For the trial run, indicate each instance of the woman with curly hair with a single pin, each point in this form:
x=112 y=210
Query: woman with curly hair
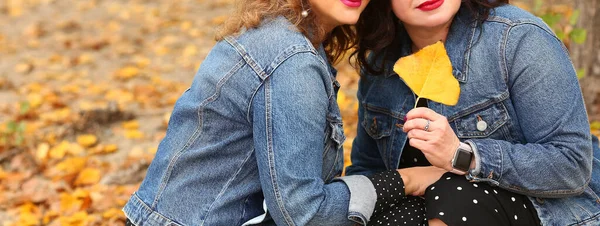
x=257 y=138
x=515 y=150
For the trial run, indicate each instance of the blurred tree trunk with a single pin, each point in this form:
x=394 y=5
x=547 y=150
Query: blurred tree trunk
x=587 y=55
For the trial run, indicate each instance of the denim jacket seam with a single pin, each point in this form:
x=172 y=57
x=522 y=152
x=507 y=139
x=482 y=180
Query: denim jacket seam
x=264 y=74
x=501 y=165
x=271 y=157
x=590 y=219
x=544 y=194
x=478 y=107
x=502 y=50
x=167 y=175
x=150 y=210
x=251 y=100
x=224 y=189
x=196 y=133
x=247 y=57
x=546 y=31
x=467 y=57
x=285 y=55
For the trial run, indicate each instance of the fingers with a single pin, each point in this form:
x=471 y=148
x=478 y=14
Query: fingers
x=419 y=135
x=423 y=112
x=419 y=144
x=418 y=123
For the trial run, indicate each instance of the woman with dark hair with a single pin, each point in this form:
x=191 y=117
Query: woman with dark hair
x=515 y=150
x=257 y=137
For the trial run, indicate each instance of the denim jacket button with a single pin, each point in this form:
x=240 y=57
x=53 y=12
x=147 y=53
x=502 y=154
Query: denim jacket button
x=539 y=200
x=482 y=125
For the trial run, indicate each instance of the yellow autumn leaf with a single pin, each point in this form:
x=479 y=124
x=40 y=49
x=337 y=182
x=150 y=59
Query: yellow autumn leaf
x=127 y=72
x=79 y=218
x=87 y=140
x=71 y=165
x=49 y=216
x=35 y=100
x=42 y=151
x=428 y=73
x=88 y=176
x=110 y=148
x=59 y=151
x=112 y=213
x=133 y=124
x=134 y=134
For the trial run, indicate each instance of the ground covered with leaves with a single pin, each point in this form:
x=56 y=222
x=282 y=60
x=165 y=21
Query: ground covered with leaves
x=86 y=90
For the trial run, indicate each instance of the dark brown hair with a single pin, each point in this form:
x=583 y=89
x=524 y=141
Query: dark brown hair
x=250 y=13
x=380 y=32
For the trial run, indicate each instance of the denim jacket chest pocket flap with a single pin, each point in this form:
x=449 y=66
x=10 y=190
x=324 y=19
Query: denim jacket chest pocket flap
x=378 y=122
x=480 y=123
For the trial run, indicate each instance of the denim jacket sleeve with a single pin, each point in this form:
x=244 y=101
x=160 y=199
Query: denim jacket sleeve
x=289 y=118
x=546 y=98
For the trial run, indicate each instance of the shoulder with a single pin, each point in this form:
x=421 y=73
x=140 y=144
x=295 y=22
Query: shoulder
x=273 y=42
x=513 y=16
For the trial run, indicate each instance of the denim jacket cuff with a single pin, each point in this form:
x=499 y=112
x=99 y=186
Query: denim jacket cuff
x=477 y=170
x=362 y=198
x=488 y=157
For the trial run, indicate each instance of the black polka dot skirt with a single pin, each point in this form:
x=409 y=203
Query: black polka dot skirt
x=456 y=201
x=453 y=200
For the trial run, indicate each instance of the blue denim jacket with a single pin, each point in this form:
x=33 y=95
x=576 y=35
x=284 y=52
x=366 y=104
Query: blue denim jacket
x=516 y=76
x=260 y=122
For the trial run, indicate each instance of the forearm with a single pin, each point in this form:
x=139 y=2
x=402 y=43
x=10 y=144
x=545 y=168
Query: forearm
x=533 y=169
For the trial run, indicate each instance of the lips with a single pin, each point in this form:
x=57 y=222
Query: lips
x=352 y=3
x=430 y=5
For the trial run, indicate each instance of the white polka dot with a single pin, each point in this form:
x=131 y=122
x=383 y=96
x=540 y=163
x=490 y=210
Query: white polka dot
x=475 y=201
x=486 y=192
x=512 y=198
x=432 y=188
x=459 y=188
x=415 y=159
x=447 y=178
x=495 y=191
x=441 y=213
x=437 y=197
x=524 y=206
x=496 y=210
x=516 y=217
x=464 y=219
x=475 y=185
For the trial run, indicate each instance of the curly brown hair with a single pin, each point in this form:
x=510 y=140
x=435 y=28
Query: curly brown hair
x=381 y=34
x=250 y=13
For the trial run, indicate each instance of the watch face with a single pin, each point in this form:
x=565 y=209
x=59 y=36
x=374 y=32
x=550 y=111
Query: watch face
x=463 y=160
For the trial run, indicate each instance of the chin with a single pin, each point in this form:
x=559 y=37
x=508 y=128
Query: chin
x=348 y=20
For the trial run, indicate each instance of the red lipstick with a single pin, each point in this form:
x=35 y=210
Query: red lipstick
x=430 y=5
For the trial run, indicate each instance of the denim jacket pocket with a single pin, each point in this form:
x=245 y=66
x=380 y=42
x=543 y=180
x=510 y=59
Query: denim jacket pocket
x=377 y=123
x=482 y=123
x=333 y=156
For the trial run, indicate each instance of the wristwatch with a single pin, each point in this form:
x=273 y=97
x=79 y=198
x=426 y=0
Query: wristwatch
x=461 y=163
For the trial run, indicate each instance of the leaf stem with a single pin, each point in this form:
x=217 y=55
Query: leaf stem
x=416 y=102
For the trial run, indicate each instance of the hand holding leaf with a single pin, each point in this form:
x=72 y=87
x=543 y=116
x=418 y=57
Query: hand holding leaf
x=428 y=73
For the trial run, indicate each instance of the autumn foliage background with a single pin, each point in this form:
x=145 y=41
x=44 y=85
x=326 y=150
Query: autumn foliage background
x=86 y=90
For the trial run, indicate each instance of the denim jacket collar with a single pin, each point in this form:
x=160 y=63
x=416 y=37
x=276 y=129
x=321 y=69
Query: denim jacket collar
x=459 y=41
